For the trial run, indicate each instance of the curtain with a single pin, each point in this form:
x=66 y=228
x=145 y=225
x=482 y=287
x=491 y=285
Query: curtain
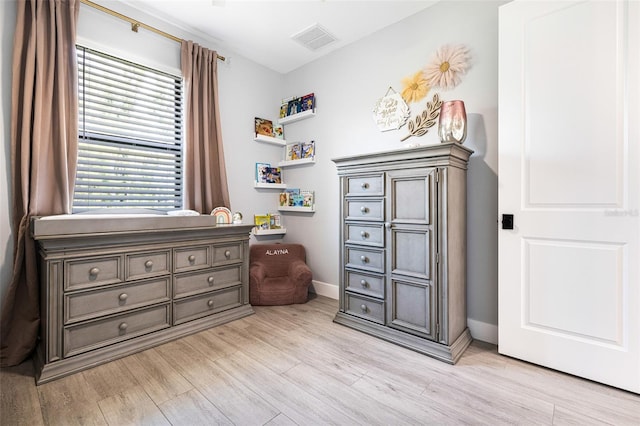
x=44 y=138
x=205 y=183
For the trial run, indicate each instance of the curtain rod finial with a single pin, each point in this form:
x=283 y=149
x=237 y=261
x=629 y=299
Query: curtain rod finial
x=135 y=26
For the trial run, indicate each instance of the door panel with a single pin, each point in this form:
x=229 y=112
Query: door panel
x=569 y=152
x=412 y=308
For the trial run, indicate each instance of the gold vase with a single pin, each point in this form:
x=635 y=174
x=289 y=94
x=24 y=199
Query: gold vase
x=452 y=126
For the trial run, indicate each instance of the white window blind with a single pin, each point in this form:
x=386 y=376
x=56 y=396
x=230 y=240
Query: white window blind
x=130 y=135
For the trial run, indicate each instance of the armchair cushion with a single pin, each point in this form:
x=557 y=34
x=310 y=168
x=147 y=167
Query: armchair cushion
x=278 y=274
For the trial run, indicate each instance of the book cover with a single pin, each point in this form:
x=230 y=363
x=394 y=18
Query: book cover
x=278 y=131
x=283 y=109
x=274 y=175
x=292 y=191
x=298 y=200
x=284 y=199
x=261 y=172
x=308 y=149
x=263 y=127
x=275 y=221
x=293 y=107
x=308 y=102
x=307 y=198
x=262 y=221
x=293 y=151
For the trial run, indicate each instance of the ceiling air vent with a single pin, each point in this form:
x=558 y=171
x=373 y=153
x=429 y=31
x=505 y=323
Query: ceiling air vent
x=314 y=37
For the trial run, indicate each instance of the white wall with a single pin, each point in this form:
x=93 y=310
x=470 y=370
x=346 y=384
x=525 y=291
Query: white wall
x=349 y=81
x=346 y=83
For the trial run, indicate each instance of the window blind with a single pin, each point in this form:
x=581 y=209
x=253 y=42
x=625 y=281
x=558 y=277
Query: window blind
x=130 y=135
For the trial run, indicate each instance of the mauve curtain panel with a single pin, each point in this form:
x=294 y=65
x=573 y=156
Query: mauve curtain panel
x=44 y=140
x=205 y=184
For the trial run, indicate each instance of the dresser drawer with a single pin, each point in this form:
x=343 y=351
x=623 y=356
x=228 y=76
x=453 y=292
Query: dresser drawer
x=365 y=185
x=189 y=284
x=367 y=259
x=191 y=258
x=200 y=306
x=113 y=299
x=91 y=335
x=146 y=265
x=92 y=272
x=364 y=209
x=227 y=253
x=365 y=307
x=365 y=234
x=370 y=285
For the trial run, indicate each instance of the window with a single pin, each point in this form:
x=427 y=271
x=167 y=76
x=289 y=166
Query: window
x=130 y=135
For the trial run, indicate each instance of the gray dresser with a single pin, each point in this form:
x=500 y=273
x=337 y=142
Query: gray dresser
x=112 y=286
x=403 y=247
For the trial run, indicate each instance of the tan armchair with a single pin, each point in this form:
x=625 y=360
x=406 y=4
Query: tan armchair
x=278 y=274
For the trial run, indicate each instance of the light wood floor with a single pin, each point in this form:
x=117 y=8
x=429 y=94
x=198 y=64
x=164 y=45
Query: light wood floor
x=292 y=365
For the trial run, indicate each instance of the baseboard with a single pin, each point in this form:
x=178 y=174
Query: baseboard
x=324 y=289
x=483 y=331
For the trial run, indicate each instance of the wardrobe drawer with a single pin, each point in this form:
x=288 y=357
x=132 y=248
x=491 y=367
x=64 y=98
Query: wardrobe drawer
x=146 y=265
x=200 y=306
x=113 y=299
x=92 y=272
x=365 y=307
x=371 y=235
x=367 y=259
x=194 y=283
x=191 y=258
x=364 y=209
x=370 y=285
x=365 y=185
x=227 y=253
x=91 y=335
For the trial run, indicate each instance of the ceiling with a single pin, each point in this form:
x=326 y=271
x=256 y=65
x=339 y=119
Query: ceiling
x=261 y=30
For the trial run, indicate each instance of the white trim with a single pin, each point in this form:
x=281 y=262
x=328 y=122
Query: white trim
x=483 y=331
x=324 y=289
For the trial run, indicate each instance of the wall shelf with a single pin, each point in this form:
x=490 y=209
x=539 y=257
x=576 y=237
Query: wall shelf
x=270 y=139
x=296 y=209
x=289 y=163
x=270 y=185
x=280 y=231
x=297 y=117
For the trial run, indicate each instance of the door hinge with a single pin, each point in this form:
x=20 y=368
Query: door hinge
x=437 y=257
x=437 y=329
x=437 y=175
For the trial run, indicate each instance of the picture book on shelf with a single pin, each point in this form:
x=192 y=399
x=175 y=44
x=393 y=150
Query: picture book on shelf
x=292 y=191
x=307 y=198
x=293 y=151
x=275 y=221
x=293 y=106
x=262 y=171
x=284 y=199
x=308 y=149
x=263 y=127
x=297 y=200
x=308 y=102
x=262 y=221
x=278 y=131
x=274 y=175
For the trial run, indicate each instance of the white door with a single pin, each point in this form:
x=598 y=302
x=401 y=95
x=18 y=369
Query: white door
x=569 y=154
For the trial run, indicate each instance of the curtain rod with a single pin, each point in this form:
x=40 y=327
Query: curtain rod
x=135 y=25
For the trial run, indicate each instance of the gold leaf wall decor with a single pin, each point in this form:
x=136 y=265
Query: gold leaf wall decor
x=421 y=124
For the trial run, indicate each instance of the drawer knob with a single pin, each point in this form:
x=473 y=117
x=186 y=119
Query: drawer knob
x=227 y=254
x=123 y=297
x=364 y=284
x=364 y=259
x=364 y=185
x=123 y=326
x=191 y=258
x=94 y=271
x=210 y=280
x=364 y=308
x=148 y=264
x=210 y=303
x=364 y=209
x=364 y=234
